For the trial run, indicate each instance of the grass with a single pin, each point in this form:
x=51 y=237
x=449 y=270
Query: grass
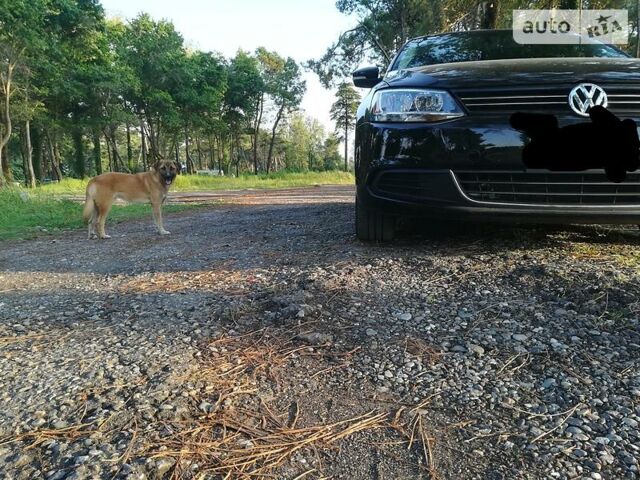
x=191 y=183
x=27 y=215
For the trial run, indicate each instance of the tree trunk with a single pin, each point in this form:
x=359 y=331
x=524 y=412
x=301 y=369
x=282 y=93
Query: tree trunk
x=23 y=155
x=46 y=158
x=78 y=145
x=199 y=150
x=143 y=146
x=118 y=163
x=231 y=156
x=114 y=142
x=111 y=167
x=6 y=163
x=273 y=137
x=115 y=160
x=346 y=146
x=256 y=133
x=30 y=176
x=53 y=155
x=129 y=149
x=153 y=146
x=190 y=165
x=97 y=153
x=160 y=152
x=36 y=140
x=403 y=25
x=56 y=156
x=220 y=152
x=212 y=151
x=6 y=135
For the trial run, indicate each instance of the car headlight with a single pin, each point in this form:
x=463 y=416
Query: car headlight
x=413 y=105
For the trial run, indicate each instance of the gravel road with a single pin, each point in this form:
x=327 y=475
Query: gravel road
x=261 y=336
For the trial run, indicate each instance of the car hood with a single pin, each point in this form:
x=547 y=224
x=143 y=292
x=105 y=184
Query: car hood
x=504 y=73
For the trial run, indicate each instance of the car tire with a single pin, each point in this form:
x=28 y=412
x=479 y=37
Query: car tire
x=373 y=226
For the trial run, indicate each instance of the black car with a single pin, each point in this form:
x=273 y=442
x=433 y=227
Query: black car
x=433 y=137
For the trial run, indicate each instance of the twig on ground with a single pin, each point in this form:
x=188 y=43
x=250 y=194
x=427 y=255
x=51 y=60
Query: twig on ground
x=544 y=434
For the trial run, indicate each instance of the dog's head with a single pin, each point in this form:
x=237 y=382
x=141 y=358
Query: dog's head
x=167 y=170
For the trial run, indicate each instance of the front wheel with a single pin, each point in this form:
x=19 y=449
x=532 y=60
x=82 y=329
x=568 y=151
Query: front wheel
x=373 y=226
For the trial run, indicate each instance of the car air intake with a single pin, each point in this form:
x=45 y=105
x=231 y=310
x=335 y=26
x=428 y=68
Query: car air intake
x=623 y=99
x=589 y=188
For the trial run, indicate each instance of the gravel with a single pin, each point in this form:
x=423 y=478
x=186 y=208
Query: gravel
x=521 y=346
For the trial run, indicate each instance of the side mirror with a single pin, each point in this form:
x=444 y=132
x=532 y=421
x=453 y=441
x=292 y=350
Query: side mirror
x=367 y=77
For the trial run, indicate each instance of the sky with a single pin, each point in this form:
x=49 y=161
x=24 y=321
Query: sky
x=301 y=29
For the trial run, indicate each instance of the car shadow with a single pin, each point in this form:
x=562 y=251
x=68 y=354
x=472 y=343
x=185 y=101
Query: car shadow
x=490 y=234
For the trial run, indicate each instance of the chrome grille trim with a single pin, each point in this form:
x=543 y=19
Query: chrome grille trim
x=513 y=103
x=482 y=189
x=623 y=99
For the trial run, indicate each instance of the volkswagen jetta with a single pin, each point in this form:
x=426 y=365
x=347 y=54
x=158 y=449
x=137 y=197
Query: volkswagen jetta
x=433 y=137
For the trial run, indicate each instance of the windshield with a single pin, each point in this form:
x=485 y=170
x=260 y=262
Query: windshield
x=489 y=45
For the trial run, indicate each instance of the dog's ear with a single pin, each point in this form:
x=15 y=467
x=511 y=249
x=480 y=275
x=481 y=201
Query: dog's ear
x=533 y=124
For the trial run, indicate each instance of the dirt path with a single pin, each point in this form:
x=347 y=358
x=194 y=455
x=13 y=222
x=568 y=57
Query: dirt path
x=240 y=342
x=284 y=196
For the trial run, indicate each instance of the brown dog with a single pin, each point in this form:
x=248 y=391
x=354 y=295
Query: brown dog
x=140 y=187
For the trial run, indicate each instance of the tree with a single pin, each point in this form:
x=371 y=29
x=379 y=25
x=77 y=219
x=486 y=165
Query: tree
x=343 y=112
x=80 y=93
x=383 y=26
x=241 y=97
x=303 y=143
x=22 y=32
x=199 y=91
x=153 y=49
x=288 y=91
x=270 y=64
x=330 y=154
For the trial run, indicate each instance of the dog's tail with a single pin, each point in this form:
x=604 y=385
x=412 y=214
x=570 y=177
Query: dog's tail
x=89 y=204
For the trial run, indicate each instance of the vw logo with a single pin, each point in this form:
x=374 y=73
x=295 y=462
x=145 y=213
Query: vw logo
x=585 y=96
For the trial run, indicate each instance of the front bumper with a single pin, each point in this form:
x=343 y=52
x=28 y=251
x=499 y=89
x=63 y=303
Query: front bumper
x=438 y=194
x=429 y=154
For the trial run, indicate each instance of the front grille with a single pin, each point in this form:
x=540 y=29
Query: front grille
x=623 y=99
x=591 y=188
x=411 y=184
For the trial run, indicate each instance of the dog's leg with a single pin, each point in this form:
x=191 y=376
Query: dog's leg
x=103 y=211
x=94 y=224
x=90 y=227
x=157 y=216
x=91 y=224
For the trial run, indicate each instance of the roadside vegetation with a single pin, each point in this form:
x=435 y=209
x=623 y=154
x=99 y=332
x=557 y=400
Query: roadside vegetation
x=87 y=94
x=26 y=213
x=192 y=183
